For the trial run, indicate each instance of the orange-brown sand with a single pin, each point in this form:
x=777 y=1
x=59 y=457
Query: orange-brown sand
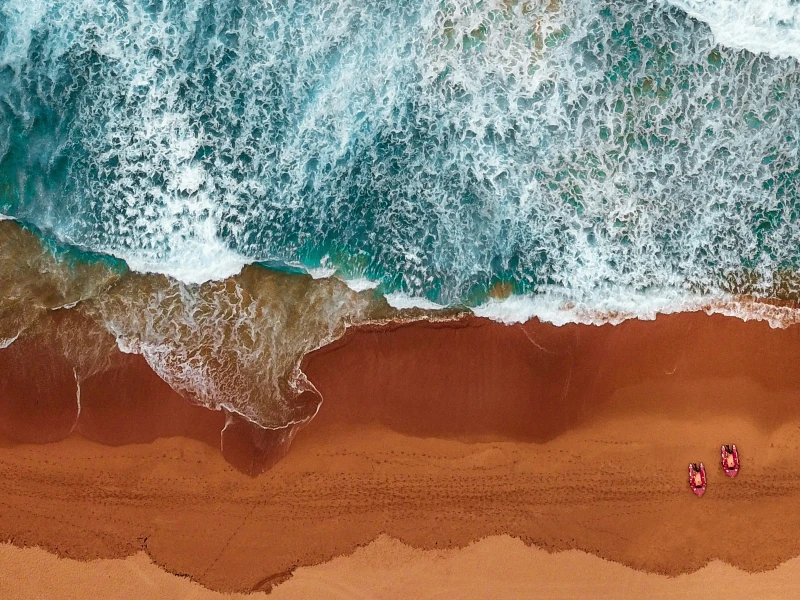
x=496 y=567
x=615 y=489
x=439 y=435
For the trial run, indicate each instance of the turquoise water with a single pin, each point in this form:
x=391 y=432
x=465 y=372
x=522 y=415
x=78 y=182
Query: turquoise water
x=435 y=147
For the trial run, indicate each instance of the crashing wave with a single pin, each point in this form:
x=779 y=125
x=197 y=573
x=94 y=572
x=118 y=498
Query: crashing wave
x=434 y=146
x=361 y=284
x=560 y=309
x=403 y=301
x=768 y=26
x=234 y=344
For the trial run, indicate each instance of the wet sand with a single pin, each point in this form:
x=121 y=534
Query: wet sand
x=571 y=438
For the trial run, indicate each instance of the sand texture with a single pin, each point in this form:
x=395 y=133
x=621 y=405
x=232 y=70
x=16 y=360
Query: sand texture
x=573 y=438
x=196 y=515
x=496 y=567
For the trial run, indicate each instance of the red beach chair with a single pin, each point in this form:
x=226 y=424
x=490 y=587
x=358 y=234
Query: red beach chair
x=730 y=460
x=697 y=479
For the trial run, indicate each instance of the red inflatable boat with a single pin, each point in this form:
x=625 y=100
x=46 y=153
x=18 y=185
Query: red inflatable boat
x=697 y=479
x=730 y=460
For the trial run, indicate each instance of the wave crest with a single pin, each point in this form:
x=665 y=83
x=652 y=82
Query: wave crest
x=771 y=27
x=432 y=147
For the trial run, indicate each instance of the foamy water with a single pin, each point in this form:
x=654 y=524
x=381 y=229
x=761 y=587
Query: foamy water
x=361 y=284
x=593 y=160
x=236 y=344
x=402 y=301
x=6 y=342
x=768 y=26
x=190 y=261
x=559 y=309
x=431 y=148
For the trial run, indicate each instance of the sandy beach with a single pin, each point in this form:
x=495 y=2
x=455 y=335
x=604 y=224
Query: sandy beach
x=386 y=568
x=436 y=300
x=432 y=437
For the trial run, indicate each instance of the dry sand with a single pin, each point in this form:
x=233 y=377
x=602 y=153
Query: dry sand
x=573 y=438
x=496 y=567
x=600 y=489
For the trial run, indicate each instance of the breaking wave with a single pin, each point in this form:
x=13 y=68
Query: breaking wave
x=223 y=186
x=436 y=148
x=233 y=345
x=771 y=27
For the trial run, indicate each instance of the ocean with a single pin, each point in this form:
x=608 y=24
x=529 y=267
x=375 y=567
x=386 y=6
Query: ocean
x=223 y=187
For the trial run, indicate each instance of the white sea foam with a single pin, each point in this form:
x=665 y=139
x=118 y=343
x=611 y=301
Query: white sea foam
x=762 y=26
x=778 y=317
x=190 y=261
x=437 y=141
x=318 y=272
x=361 y=284
x=253 y=337
x=23 y=18
x=399 y=300
x=6 y=342
x=555 y=307
x=326 y=270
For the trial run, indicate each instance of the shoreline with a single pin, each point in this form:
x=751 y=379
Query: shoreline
x=436 y=435
x=486 y=378
x=530 y=382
